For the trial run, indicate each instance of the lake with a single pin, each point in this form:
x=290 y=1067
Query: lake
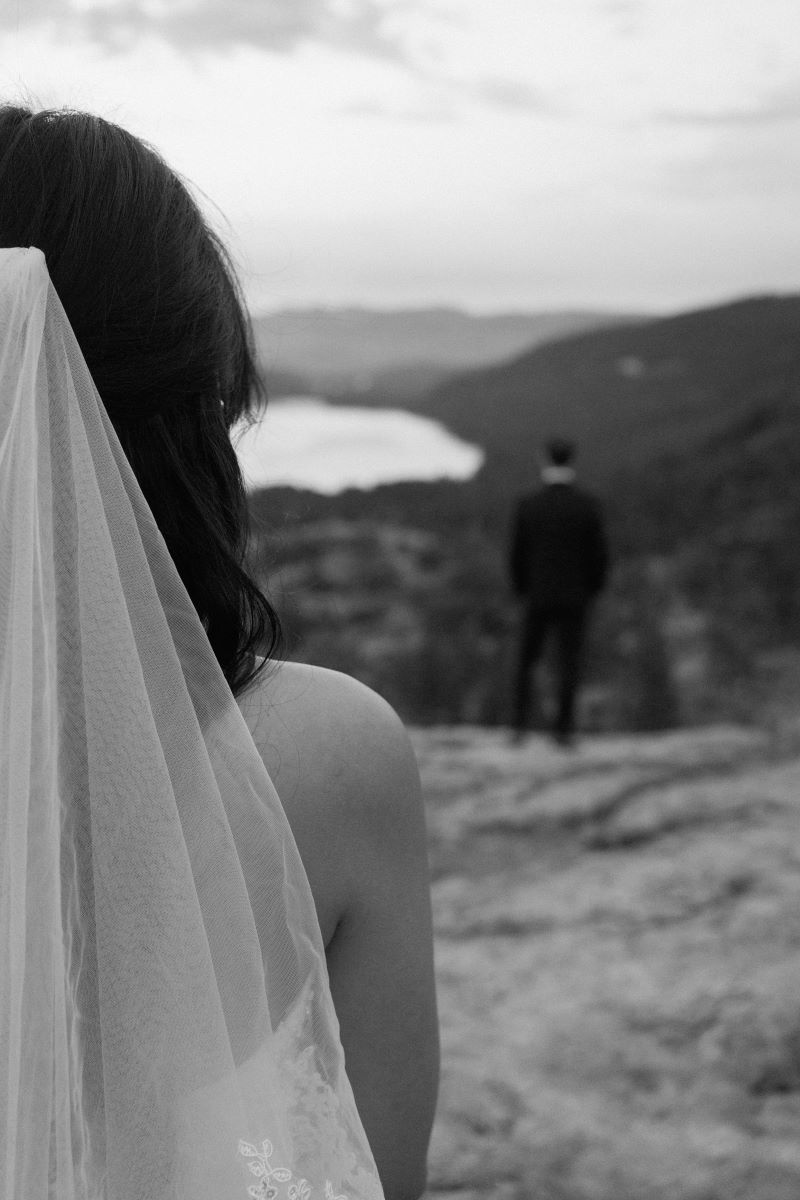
x=304 y=442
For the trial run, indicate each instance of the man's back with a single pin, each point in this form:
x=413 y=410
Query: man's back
x=558 y=549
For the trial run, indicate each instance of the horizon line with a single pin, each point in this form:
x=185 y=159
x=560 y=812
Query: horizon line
x=643 y=310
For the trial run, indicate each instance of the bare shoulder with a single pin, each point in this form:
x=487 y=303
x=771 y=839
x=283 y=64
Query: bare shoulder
x=343 y=766
x=314 y=724
x=344 y=769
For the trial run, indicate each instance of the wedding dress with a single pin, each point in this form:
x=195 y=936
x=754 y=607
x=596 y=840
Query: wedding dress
x=166 y=1025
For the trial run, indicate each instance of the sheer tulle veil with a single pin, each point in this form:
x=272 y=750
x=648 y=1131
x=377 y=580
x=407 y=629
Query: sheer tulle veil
x=166 y=1026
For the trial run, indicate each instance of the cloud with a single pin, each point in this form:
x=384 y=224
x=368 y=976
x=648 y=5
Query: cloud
x=435 y=110
x=438 y=99
x=741 y=158
x=775 y=110
x=626 y=16
x=278 y=25
x=507 y=93
x=14 y=14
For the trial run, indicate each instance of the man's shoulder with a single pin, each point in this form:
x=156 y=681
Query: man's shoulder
x=555 y=493
x=586 y=495
x=532 y=498
x=558 y=503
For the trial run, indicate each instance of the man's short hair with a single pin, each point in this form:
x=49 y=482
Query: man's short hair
x=560 y=451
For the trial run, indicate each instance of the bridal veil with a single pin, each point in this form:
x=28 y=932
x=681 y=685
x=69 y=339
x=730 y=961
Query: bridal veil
x=166 y=1026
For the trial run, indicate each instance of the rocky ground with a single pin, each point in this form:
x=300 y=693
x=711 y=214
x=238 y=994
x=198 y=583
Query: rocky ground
x=618 y=937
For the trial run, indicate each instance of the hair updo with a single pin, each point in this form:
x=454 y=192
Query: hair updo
x=154 y=302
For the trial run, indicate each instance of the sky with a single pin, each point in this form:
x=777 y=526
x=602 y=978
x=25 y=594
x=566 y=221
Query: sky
x=491 y=154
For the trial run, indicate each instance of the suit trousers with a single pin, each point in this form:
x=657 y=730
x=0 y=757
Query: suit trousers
x=568 y=623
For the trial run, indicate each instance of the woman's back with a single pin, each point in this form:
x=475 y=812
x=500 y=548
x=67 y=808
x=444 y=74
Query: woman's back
x=343 y=767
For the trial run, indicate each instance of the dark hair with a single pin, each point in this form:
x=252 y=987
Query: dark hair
x=560 y=451
x=155 y=305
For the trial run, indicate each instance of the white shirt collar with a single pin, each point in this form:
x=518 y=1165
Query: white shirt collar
x=554 y=474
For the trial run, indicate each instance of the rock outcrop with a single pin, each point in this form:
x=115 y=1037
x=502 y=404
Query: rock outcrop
x=618 y=956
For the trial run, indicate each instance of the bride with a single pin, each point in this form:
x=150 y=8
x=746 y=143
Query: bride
x=207 y=992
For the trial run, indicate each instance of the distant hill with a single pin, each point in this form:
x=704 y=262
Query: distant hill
x=689 y=427
x=395 y=355
x=629 y=393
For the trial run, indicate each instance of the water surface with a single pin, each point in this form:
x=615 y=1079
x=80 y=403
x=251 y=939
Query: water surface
x=303 y=442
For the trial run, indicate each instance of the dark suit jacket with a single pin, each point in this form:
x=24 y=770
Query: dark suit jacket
x=559 y=554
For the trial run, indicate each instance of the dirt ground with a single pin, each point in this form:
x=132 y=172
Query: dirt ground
x=617 y=938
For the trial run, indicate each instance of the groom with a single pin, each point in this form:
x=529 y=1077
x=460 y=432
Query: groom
x=558 y=564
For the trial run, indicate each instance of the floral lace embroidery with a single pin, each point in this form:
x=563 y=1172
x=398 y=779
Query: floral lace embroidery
x=261 y=1166
x=321 y=1128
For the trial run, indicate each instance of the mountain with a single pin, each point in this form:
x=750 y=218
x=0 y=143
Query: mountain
x=690 y=429
x=629 y=393
x=363 y=353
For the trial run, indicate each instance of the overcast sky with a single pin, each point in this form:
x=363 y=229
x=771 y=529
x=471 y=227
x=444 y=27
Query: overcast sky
x=493 y=154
